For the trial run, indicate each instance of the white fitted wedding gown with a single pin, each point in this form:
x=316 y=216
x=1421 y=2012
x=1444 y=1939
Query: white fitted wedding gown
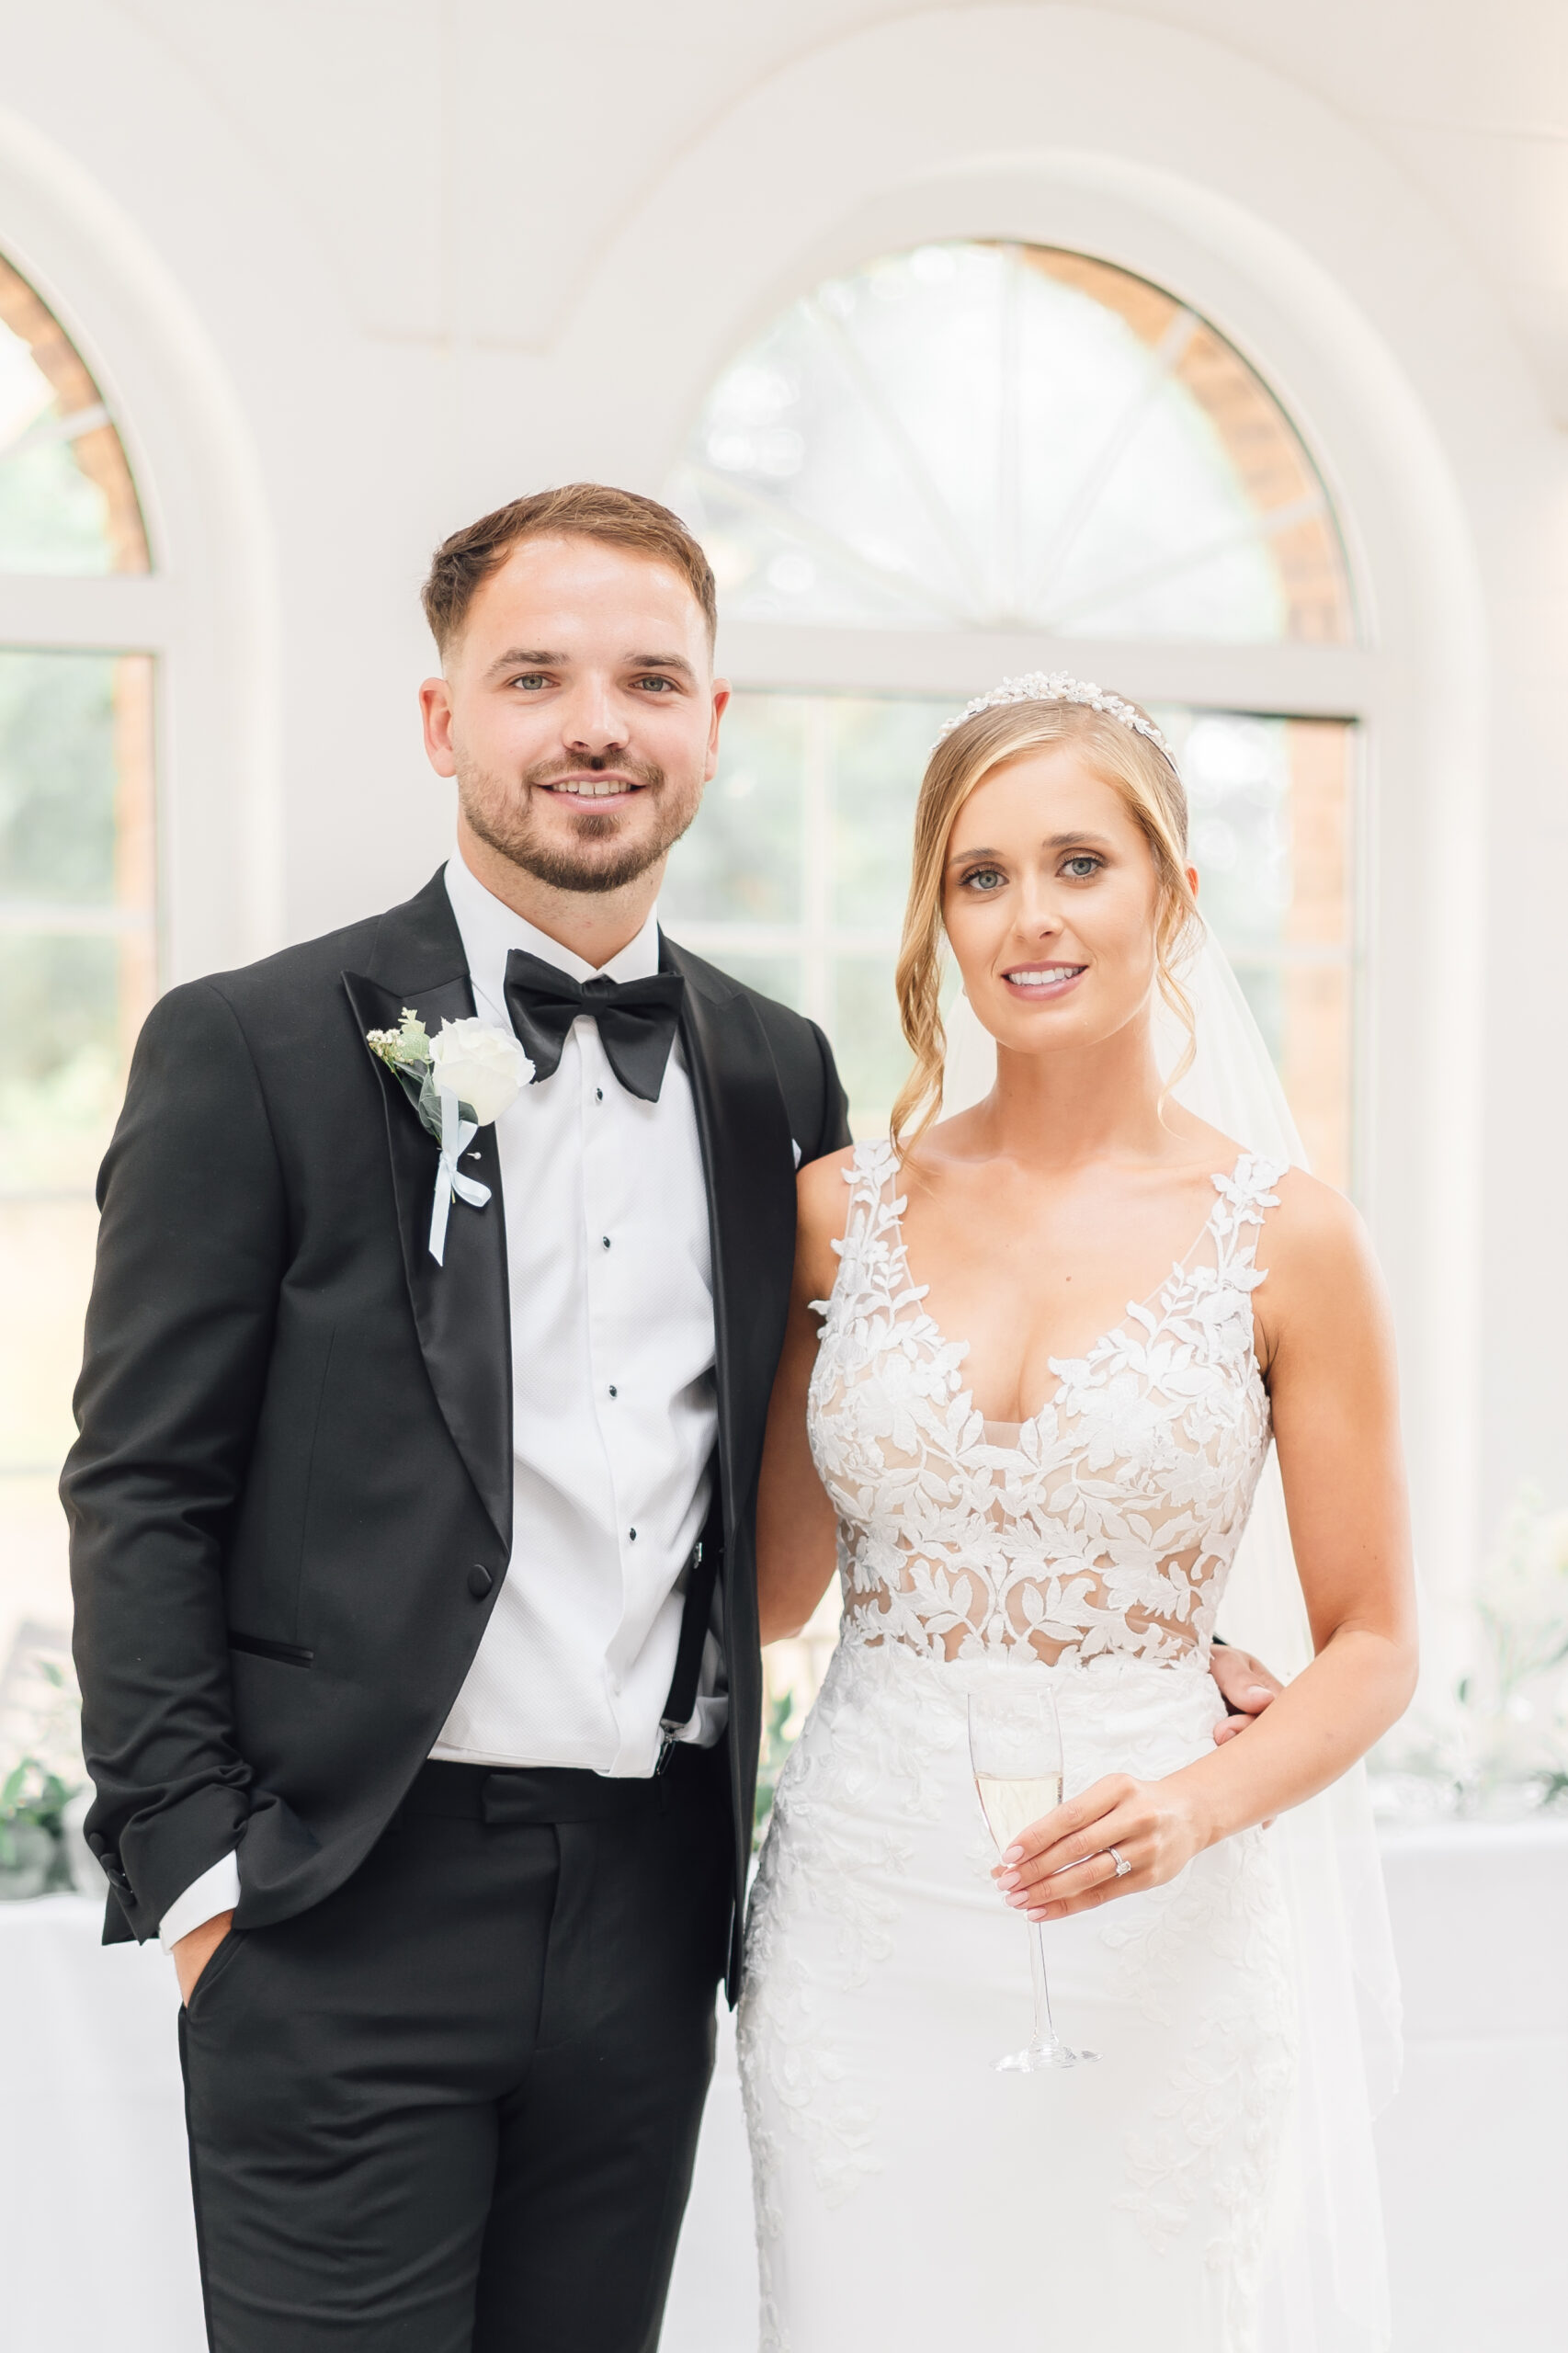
x=909 y=2199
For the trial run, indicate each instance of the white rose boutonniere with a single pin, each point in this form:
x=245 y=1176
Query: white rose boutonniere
x=487 y=1069
x=459 y=1081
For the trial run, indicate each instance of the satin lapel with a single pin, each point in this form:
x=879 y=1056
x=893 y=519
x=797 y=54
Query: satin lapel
x=745 y=1132
x=460 y=1309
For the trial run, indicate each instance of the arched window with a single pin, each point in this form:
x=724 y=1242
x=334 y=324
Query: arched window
x=78 y=927
x=972 y=460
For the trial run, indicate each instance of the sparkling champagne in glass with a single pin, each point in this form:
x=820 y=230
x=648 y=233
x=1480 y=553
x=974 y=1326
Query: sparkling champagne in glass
x=1014 y=1747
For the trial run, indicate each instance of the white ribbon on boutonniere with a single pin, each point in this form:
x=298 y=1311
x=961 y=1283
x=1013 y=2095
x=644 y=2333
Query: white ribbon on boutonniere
x=459 y=1081
x=457 y=1134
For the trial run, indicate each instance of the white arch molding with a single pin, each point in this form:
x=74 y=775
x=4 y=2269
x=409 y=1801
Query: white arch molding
x=1280 y=223
x=209 y=608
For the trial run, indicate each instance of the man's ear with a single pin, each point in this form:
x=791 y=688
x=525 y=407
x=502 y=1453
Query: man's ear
x=722 y=692
x=435 y=709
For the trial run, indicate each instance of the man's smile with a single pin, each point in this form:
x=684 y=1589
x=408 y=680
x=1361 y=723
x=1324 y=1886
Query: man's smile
x=594 y=788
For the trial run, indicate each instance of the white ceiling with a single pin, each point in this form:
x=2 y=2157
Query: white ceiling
x=463 y=162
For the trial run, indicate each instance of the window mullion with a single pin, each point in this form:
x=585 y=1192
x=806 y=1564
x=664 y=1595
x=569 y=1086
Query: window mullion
x=816 y=878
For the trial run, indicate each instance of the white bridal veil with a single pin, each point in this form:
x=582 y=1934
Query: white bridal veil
x=1327 y=2290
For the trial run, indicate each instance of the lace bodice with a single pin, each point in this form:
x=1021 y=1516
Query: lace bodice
x=1107 y=1524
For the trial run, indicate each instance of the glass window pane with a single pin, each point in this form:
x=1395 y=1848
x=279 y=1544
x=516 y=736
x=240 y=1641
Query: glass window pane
x=776 y=976
x=58 y=778
x=878 y=756
x=1271 y=808
x=867 y=1043
x=63 y=1071
x=1237 y=776
x=976 y=435
x=77 y=928
x=77 y=942
x=742 y=860
x=46 y=1247
x=1263 y=986
x=77 y=932
x=67 y=501
x=1314 y=1059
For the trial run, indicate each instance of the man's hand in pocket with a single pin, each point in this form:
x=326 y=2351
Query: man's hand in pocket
x=191 y=1954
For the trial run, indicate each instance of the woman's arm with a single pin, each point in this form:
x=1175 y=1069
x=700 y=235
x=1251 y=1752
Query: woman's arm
x=796 y=1530
x=1327 y=1346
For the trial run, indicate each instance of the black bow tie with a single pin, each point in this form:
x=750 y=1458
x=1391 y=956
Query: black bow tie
x=637 y=1018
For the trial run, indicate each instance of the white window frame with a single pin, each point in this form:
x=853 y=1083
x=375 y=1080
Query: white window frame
x=207 y=611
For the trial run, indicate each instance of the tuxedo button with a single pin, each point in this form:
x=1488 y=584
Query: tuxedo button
x=479 y=1580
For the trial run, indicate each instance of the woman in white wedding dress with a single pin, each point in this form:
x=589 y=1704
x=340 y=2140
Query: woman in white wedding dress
x=1016 y=1469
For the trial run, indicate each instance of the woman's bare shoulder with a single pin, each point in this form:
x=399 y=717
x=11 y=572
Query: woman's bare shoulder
x=1312 y=1226
x=1317 y=1255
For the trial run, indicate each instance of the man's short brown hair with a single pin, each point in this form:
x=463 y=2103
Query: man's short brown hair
x=581 y=510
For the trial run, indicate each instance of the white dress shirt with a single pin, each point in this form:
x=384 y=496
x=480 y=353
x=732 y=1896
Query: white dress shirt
x=609 y=1264
x=610 y=1270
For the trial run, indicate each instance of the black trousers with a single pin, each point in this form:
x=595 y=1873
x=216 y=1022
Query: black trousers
x=456 y=2105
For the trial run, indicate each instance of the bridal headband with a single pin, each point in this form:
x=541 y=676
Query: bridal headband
x=1056 y=685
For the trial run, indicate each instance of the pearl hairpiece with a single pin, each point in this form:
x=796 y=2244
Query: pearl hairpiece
x=1056 y=685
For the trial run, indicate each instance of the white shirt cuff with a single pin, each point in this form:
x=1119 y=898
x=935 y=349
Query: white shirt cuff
x=216 y=1891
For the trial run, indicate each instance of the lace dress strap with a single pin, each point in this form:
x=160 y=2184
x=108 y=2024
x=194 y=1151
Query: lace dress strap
x=1244 y=1194
x=869 y=1176
x=871 y=1231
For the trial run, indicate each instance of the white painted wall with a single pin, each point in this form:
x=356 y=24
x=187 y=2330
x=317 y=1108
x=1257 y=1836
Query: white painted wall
x=357 y=269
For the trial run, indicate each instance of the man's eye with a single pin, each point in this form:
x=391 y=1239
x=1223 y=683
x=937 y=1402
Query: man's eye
x=1081 y=868
x=532 y=679
x=664 y=685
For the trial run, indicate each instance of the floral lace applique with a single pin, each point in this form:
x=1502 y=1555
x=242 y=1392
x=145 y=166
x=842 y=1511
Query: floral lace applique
x=839 y=1858
x=1112 y=1523
x=1217 y=2124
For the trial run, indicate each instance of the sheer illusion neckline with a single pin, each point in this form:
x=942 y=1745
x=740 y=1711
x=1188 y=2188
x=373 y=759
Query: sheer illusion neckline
x=1007 y=1435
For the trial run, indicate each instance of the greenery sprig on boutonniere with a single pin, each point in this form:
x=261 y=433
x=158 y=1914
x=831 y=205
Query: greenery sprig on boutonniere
x=459 y=1081
x=406 y=1051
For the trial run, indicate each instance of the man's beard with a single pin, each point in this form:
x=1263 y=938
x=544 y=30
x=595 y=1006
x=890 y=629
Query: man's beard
x=500 y=816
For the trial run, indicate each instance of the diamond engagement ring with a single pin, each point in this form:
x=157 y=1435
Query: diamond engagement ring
x=1119 y=1860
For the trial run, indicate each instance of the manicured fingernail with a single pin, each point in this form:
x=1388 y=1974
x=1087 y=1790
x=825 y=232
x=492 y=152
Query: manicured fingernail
x=1014 y=1855
x=1006 y=1878
x=1019 y=1900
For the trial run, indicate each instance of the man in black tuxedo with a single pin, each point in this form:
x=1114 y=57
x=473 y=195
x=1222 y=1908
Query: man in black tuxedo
x=416 y=1622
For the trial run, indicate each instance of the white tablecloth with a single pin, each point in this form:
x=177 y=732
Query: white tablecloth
x=1473 y=2154
x=99 y=2248
x=95 y=2188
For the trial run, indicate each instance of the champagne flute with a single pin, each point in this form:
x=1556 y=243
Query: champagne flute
x=1014 y=1748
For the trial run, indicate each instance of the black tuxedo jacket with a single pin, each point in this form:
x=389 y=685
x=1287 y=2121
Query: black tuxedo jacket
x=290 y=1499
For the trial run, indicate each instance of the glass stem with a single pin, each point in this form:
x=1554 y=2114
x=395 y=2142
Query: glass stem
x=1044 y=2032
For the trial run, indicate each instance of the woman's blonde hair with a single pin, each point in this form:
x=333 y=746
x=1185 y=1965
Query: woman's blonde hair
x=1156 y=801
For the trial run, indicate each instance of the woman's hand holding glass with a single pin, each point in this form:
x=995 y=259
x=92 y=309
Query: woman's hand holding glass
x=1067 y=1861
